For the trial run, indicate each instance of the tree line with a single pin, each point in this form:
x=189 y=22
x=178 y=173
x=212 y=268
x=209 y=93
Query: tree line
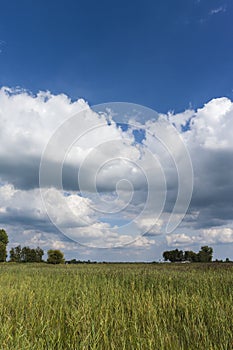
x=204 y=255
x=55 y=256
x=26 y=254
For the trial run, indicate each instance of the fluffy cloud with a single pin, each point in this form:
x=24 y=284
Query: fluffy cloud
x=223 y=235
x=208 y=137
x=218 y=235
x=179 y=239
x=25 y=208
x=114 y=172
x=210 y=127
x=26 y=124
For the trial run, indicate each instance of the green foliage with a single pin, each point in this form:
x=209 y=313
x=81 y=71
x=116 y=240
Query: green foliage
x=204 y=255
x=106 y=306
x=173 y=255
x=55 y=256
x=26 y=254
x=3 y=237
x=191 y=256
x=15 y=254
x=3 y=243
x=3 y=252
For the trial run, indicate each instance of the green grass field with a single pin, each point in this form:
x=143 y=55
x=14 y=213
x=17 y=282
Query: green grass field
x=116 y=306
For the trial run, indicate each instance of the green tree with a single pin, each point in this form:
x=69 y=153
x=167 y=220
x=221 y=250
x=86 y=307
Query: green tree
x=15 y=254
x=3 y=237
x=55 y=256
x=39 y=254
x=205 y=254
x=3 y=253
x=26 y=254
x=173 y=255
x=189 y=255
x=3 y=243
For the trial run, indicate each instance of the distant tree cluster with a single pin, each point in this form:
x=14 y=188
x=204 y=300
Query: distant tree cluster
x=3 y=243
x=74 y=261
x=26 y=254
x=204 y=255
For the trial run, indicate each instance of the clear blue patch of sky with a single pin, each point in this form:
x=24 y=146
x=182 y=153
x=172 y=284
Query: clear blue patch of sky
x=163 y=54
x=139 y=135
x=186 y=127
x=123 y=126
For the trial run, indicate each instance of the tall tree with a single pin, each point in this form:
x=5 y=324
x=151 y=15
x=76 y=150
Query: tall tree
x=3 y=243
x=15 y=254
x=3 y=237
x=205 y=254
x=3 y=252
x=26 y=254
x=39 y=254
x=55 y=256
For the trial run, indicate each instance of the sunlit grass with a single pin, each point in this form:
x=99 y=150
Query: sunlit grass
x=116 y=307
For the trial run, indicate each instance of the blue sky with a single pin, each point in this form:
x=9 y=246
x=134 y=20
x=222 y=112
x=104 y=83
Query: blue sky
x=162 y=54
x=166 y=55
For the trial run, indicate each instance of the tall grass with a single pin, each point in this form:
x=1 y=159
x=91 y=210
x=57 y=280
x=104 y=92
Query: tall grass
x=115 y=307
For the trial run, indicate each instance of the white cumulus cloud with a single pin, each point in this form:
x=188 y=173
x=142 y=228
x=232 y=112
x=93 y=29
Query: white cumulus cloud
x=115 y=172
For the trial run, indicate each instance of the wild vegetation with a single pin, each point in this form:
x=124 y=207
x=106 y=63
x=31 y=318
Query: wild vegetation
x=116 y=306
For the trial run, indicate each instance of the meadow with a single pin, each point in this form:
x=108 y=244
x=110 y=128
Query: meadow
x=116 y=306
